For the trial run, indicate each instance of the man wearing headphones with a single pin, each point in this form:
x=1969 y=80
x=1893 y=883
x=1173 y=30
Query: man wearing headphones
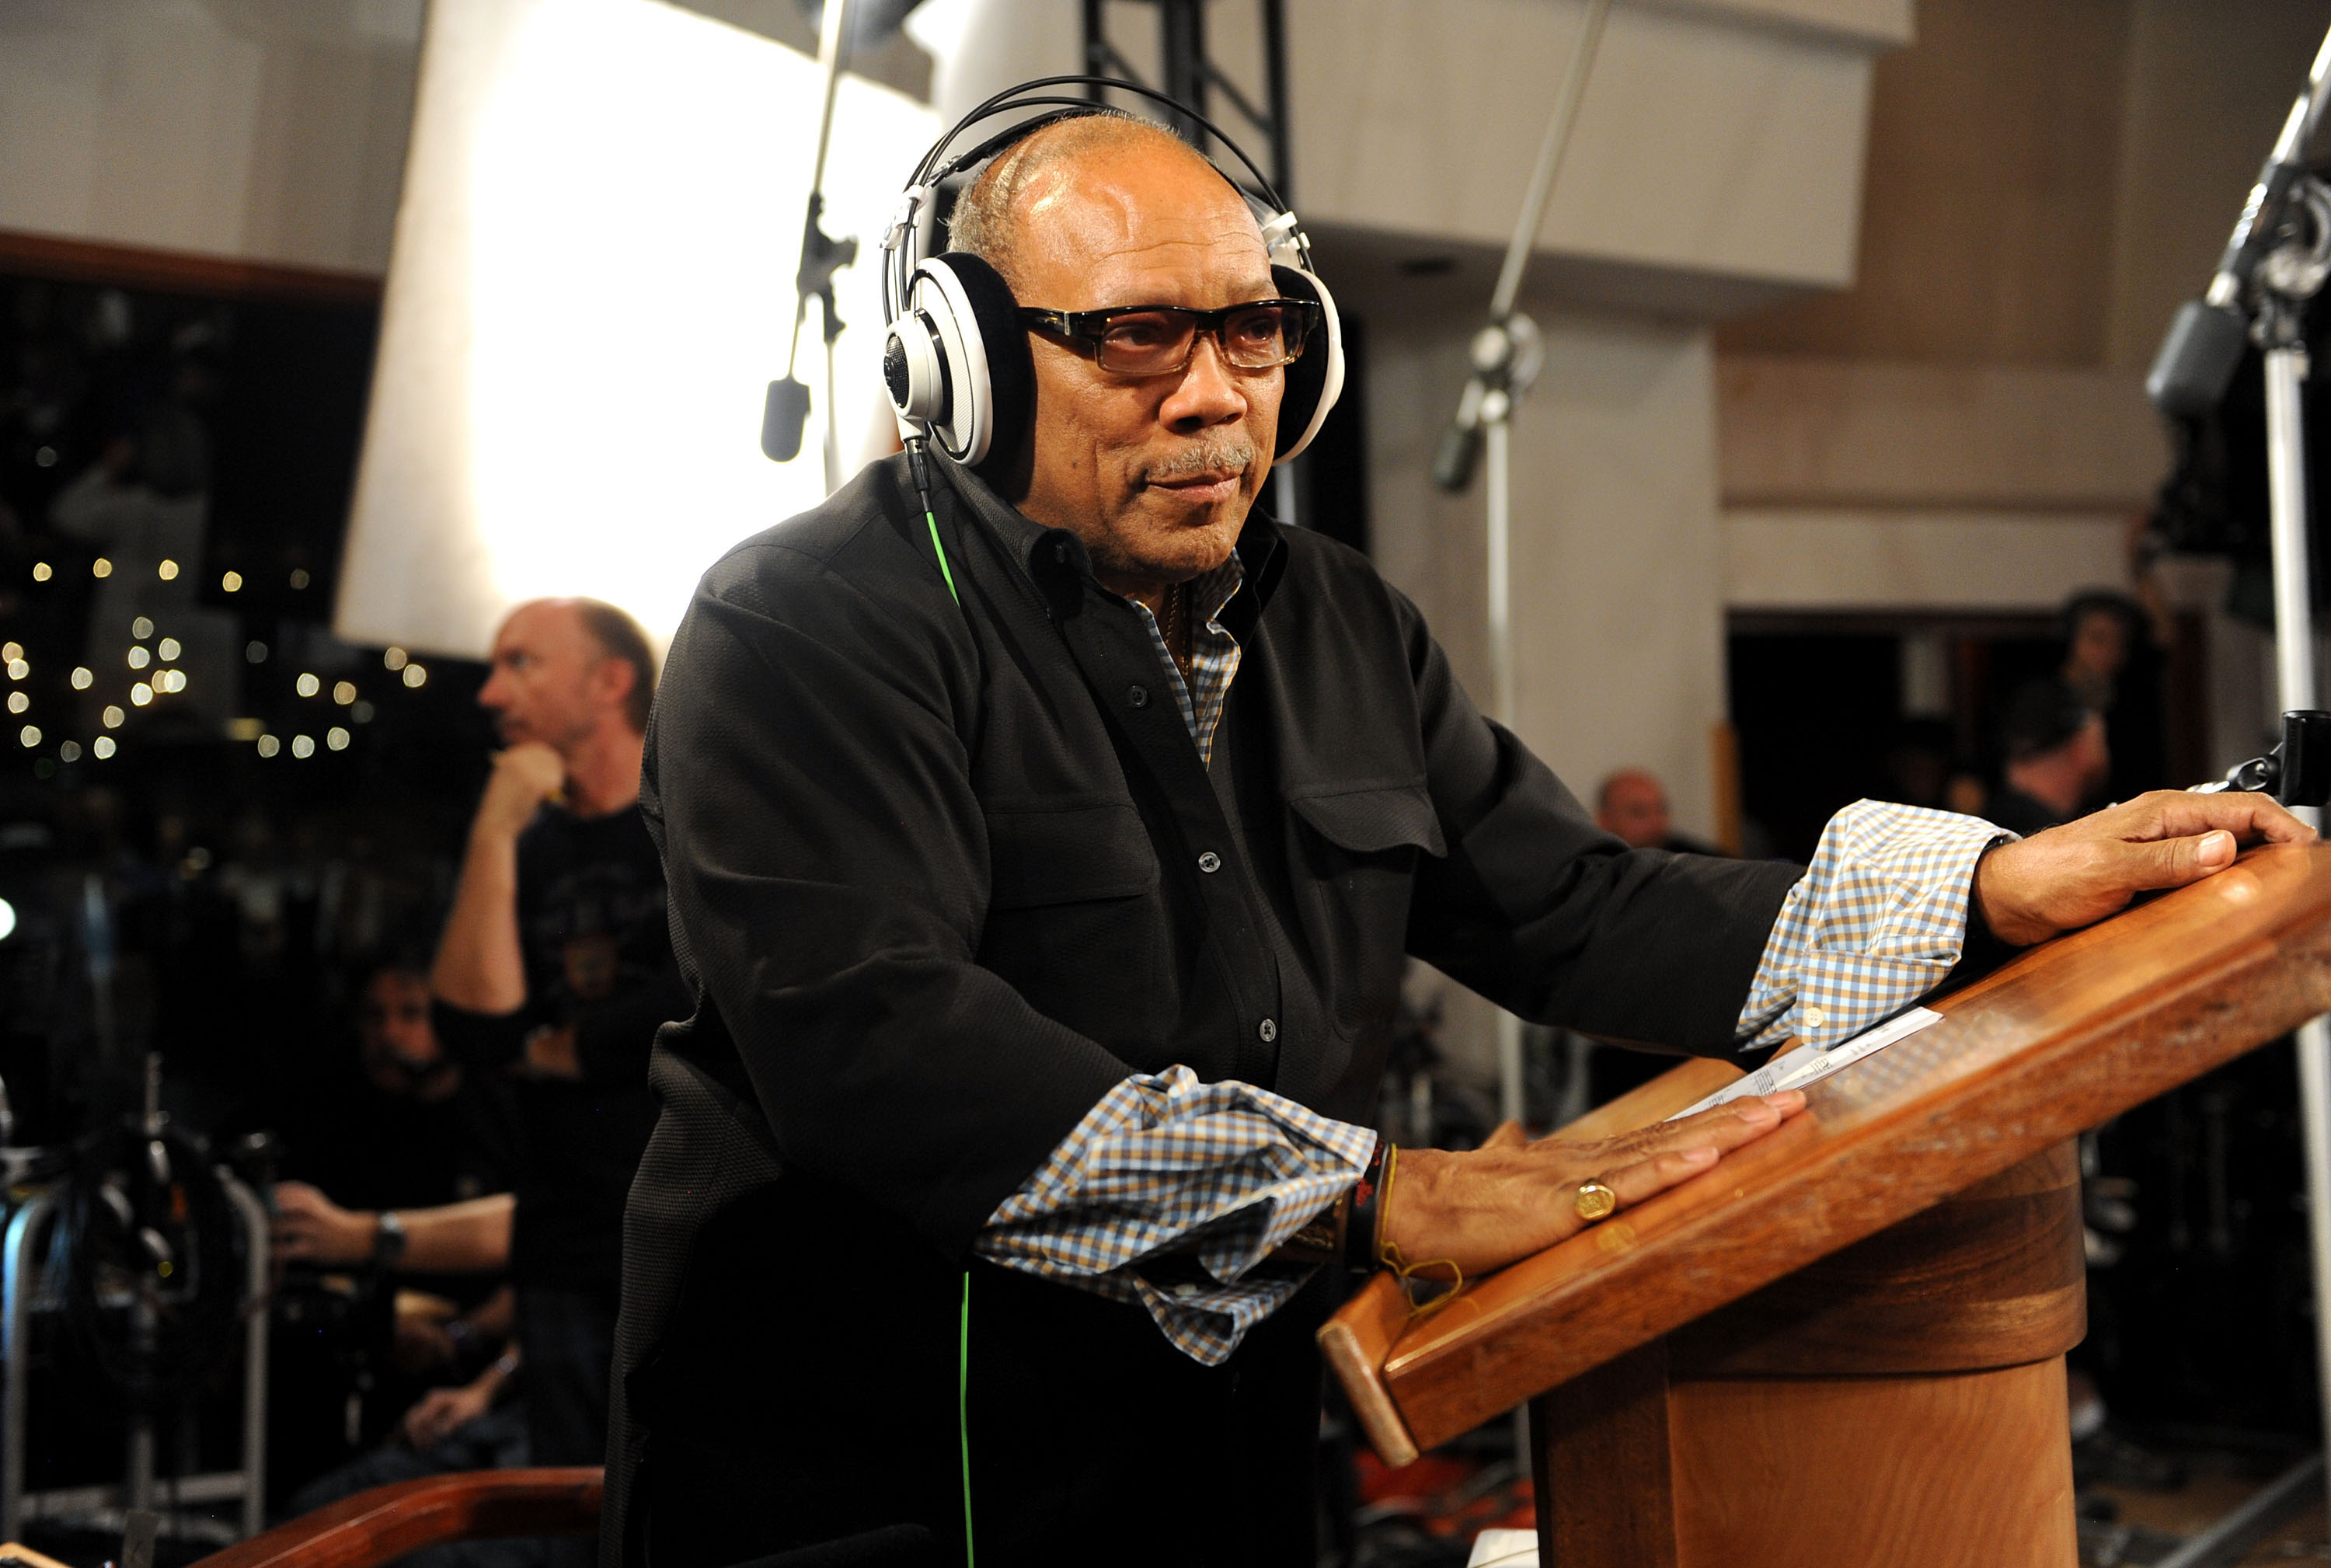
x=1047 y=831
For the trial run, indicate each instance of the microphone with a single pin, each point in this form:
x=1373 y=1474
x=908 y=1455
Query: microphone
x=1506 y=355
x=782 y=414
x=2204 y=342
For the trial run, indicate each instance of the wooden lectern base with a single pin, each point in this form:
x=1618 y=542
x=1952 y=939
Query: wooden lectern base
x=1899 y=1404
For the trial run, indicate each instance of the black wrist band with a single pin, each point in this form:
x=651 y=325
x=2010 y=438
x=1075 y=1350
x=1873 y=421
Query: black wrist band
x=1360 y=1226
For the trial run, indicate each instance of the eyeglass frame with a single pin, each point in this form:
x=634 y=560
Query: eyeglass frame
x=1086 y=329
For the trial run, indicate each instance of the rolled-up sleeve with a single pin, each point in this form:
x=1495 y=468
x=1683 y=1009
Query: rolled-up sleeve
x=1879 y=920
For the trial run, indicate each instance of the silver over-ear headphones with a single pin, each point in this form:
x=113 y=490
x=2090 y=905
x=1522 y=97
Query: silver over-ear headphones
x=955 y=356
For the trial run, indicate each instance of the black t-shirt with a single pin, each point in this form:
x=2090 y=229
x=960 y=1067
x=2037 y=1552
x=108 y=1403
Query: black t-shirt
x=598 y=956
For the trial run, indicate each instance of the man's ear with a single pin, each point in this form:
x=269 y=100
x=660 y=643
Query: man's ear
x=611 y=680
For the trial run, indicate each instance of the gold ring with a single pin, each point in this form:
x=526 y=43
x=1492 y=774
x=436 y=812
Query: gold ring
x=1595 y=1200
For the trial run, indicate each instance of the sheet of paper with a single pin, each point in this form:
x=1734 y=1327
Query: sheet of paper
x=1809 y=1064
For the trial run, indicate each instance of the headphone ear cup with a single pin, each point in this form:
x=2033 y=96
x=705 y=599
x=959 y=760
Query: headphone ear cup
x=1315 y=380
x=1010 y=371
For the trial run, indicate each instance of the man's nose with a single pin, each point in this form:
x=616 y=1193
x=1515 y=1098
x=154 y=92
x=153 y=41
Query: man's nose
x=1208 y=394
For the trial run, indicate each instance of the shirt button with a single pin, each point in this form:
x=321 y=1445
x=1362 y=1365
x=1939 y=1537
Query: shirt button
x=1815 y=1018
x=1210 y=862
x=1138 y=695
x=1269 y=1030
x=1185 y=1291
x=1061 y=550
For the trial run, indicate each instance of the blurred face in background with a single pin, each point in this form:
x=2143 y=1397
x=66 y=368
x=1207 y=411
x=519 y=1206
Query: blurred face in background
x=394 y=1043
x=2099 y=647
x=1635 y=809
x=549 y=681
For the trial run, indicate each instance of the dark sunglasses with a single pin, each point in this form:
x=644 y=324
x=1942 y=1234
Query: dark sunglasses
x=1158 y=339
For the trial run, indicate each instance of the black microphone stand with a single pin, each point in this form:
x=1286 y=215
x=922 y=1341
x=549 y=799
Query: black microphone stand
x=2276 y=262
x=1506 y=355
x=821 y=255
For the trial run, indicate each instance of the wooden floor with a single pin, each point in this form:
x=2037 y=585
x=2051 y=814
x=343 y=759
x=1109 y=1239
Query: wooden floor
x=2219 y=1483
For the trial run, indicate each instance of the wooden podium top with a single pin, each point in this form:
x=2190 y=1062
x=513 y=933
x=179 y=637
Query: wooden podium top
x=2065 y=1037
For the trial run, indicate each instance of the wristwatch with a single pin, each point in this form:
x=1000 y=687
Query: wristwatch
x=388 y=1240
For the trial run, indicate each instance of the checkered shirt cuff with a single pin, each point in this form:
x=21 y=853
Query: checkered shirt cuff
x=1222 y=1171
x=1877 y=921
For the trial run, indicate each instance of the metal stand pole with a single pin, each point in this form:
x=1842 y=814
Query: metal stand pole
x=252 y=1212
x=1506 y=355
x=1511 y=1101
x=2293 y=656
x=27 y=1228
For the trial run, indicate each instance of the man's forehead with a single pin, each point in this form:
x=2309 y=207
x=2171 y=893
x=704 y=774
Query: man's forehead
x=537 y=626
x=1141 y=218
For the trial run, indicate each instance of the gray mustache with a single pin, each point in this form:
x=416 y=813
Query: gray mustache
x=1236 y=457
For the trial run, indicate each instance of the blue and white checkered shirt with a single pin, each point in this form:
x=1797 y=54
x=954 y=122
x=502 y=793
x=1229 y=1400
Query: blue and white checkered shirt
x=1222 y=1173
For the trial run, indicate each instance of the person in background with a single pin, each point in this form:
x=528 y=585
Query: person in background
x=472 y=1423
x=2056 y=758
x=1631 y=805
x=556 y=968
x=2111 y=665
x=425 y=1209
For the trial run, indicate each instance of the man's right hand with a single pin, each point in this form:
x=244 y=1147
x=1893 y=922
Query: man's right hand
x=311 y=1228
x=1508 y=1199
x=524 y=776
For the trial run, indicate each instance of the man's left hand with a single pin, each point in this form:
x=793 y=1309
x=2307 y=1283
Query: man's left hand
x=2077 y=874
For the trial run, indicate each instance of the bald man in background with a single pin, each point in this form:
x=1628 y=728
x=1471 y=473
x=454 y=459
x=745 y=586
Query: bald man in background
x=1632 y=806
x=557 y=967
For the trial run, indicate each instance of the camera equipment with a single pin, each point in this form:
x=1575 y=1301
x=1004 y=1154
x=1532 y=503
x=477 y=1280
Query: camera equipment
x=2297 y=772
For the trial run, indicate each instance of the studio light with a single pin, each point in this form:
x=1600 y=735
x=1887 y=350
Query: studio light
x=590 y=290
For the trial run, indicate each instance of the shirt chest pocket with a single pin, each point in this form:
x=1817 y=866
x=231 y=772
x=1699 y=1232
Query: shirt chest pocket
x=1356 y=854
x=1075 y=922
x=1043 y=857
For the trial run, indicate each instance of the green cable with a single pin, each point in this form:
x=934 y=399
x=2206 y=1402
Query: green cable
x=963 y=1366
x=944 y=572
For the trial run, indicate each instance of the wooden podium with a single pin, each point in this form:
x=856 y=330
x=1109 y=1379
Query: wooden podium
x=1845 y=1343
